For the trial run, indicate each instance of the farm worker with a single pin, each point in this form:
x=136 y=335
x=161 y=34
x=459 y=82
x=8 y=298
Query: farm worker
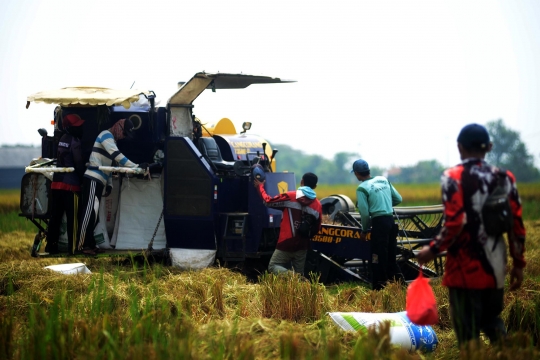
x=302 y=218
x=376 y=198
x=103 y=153
x=66 y=186
x=475 y=261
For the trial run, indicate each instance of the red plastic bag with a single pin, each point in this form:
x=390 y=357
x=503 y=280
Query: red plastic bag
x=421 y=304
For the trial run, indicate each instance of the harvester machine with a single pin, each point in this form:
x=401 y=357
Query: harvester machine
x=197 y=205
x=339 y=255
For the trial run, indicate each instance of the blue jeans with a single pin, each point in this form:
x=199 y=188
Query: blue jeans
x=283 y=261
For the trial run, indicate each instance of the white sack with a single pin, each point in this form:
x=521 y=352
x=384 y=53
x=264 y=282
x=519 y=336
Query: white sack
x=139 y=211
x=100 y=232
x=402 y=331
x=69 y=269
x=192 y=259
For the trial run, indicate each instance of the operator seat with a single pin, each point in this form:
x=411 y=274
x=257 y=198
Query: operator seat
x=209 y=148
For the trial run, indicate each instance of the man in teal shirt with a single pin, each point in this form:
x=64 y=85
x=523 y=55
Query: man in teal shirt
x=376 y=198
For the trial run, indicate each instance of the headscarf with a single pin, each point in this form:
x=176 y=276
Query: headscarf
x=306 y=191
x=117 y=130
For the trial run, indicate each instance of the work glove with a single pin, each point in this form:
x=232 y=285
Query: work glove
x=143 y=166
x=108 y=190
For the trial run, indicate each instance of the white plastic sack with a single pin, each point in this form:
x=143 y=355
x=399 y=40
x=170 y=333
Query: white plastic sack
x=192 y=259
x=100 y=232
x=110 y=204
x=138 y=213
x=402 y=331
x=69 y=269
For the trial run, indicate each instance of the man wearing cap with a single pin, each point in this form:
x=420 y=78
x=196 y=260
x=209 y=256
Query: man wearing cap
x=103 y=153
x=475 y=266
x=298 y=208
x=66 y=186
x=376 y=198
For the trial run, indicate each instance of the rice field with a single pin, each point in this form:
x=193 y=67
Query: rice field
x=132 y=309
x=430 y=194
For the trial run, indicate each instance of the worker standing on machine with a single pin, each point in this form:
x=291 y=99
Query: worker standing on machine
x=66 y=186
x=103 y=154
x=302 y=218
x=376 y=198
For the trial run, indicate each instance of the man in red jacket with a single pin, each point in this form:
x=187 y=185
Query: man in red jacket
x=302 y=218
x=475 y=266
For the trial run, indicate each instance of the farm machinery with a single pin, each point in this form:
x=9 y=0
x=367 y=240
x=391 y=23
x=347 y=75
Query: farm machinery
x=196 y=204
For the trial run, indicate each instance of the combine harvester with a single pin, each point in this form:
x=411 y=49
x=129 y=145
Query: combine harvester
x=197 y=204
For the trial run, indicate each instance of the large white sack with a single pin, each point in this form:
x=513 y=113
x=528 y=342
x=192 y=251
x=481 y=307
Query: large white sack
x=402 y=331
x=139 y=210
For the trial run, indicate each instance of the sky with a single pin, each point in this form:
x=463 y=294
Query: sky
x=393 y=81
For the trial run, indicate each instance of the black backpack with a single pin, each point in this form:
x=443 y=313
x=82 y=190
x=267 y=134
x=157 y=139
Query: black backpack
x=496 y=212
x=306 y=223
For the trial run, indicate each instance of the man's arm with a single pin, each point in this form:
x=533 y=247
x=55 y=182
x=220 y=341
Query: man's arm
x=110 y=146
x=276 y=202
x=76 y=151
x=454 y=218
x=516 y=237
x=363 y=207
x=396 y=197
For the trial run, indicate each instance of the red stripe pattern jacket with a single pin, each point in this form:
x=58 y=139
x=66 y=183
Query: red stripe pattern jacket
x=475 y=260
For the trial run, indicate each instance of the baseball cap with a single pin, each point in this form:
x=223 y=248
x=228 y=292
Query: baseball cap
x=72 y=120
x=474 y=136
x=360 y=166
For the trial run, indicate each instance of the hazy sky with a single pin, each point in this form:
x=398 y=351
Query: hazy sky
x=391 y=80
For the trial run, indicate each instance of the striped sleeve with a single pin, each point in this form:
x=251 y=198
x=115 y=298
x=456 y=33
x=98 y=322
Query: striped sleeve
x=107 y=141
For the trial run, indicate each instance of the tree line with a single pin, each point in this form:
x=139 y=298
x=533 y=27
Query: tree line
x=509 y=152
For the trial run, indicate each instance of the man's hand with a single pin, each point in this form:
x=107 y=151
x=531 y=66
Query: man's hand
x=108 y=190
x=143 y=166
x=425 y=255
x=257 y=183
x=516 y=278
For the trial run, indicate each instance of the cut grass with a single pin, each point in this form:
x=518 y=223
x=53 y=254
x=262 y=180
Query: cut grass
x=136 y=311
x=130 y=310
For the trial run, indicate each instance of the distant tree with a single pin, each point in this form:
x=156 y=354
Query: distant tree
x=510 y=152
x=333 y=171
x=426 y=171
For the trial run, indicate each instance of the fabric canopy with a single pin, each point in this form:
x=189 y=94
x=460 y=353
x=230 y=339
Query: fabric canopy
x=87 y=96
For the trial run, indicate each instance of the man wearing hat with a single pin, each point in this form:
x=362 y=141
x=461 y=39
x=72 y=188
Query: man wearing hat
x=376 y=198
x=103 y=153
x=66 y=187
x=475 y=266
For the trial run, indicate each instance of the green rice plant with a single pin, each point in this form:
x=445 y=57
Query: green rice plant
x=9 y=200
x=11 y=221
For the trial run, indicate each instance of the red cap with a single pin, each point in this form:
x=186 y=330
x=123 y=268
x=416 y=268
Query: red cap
x=73 y=120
